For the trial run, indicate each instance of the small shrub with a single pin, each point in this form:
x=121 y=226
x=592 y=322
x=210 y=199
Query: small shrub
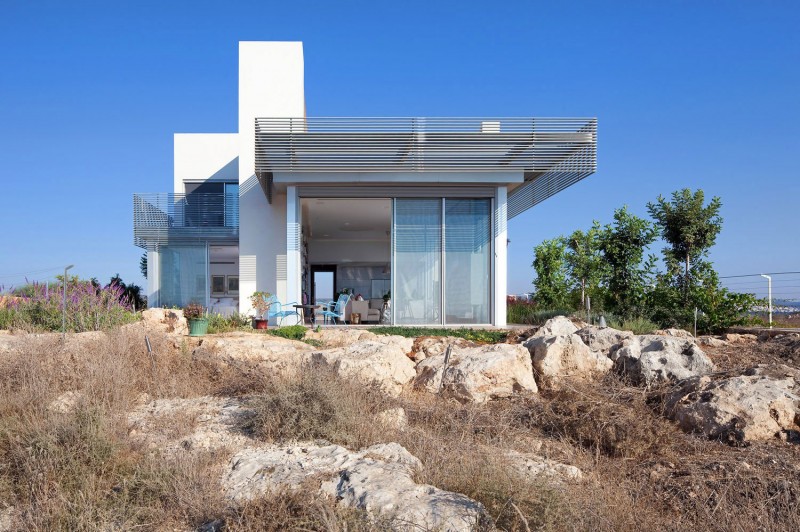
x=637 y=325
x=292 y=332
x=217 y=323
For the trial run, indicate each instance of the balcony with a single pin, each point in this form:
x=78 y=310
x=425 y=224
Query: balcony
x=167 y=218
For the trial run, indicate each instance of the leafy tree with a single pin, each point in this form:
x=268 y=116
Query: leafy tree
x=623 y=244
x=143 y=264
x=585 y=263
x=551 y=283
x=689 y=227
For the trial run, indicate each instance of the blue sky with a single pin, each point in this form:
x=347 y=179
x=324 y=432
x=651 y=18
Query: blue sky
x=687 y=94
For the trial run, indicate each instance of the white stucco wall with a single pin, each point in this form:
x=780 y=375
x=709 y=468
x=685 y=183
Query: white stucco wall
x=271 y=84
x=205 y=157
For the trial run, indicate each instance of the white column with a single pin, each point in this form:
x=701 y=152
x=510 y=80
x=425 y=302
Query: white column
x=500 y=255
x=153 y=279
x=293 y=243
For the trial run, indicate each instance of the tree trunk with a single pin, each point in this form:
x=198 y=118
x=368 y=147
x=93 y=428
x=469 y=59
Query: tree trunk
x=583 y=292
x=686 y=280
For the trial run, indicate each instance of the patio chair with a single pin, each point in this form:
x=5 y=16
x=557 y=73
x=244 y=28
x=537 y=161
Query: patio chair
x=336 y=310
x=279 y=311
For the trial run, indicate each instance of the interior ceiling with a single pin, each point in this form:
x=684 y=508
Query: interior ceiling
x=347 y=219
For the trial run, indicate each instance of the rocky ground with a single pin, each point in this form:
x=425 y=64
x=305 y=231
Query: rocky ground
x=565 y=426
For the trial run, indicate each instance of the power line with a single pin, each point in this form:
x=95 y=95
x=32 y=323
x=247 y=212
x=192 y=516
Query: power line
x=757 y=274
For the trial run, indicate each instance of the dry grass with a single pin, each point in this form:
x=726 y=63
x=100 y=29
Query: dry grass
x=80 y=470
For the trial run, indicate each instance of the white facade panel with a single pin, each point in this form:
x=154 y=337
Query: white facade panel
x=205 y=157
x=271 y=84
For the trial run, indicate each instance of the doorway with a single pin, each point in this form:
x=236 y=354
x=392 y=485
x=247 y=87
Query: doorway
x=323 y=283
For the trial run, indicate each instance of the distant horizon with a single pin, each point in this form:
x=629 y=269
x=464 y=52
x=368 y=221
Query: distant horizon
x=685 y=98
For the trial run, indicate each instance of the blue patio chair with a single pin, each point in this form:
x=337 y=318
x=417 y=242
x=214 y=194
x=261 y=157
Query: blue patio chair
x=279 y=311
x=336 y=310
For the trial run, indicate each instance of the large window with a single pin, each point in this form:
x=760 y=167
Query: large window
x=467 y=245
x=417 y=261
x=442 y=260
x=184 y=275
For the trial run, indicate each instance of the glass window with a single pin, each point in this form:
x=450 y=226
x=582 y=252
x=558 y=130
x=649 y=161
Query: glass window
x=417 y=298
x=183 y=275
x=467 y=261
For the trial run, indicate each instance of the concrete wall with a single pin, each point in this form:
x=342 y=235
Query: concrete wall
x=205 y=157
x=271 y=84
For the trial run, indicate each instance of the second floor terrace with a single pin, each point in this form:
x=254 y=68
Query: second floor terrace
x=169 y=218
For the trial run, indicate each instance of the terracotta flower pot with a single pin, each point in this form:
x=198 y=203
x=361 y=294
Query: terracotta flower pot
x=260 y=324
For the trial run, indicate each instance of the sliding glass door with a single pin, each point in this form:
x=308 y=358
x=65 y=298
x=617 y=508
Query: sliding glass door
x=417 y=270
x=467 y=259
x=442 y=254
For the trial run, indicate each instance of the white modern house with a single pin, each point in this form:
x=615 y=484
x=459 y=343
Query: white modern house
x=413 y=208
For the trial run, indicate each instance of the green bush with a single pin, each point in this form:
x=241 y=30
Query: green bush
x=526 y=313
x=292 y=332
x=217 y=323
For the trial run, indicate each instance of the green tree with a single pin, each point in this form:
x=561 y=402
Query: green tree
x=689 y=227
x=585 y=262
x=623 y=245
x=143 y=264
x=551 y=283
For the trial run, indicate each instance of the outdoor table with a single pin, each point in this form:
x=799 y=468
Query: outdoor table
x=312 y=309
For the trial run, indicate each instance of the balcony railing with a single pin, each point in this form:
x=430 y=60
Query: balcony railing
x=423 y=144
x=162 y=218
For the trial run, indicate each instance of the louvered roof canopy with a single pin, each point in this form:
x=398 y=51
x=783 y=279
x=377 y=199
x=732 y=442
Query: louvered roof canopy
x=560 y=150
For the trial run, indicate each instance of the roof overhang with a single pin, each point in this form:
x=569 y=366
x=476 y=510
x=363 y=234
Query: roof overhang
x=552 y=153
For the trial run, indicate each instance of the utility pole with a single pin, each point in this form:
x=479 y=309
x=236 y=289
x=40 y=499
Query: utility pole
x=64 y=309
x=769 y=296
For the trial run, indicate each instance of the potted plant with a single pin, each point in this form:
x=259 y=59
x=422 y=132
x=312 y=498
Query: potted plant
x=261 y=302
x=198 y=323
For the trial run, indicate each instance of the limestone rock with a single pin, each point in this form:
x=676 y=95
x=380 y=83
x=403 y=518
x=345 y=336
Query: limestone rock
x=649 y=359
x=381 y=362
x=340 y=336
x=739 y=406
x=558 y=326
x=734 y=338
x=378 y=479
x=677 y=333
x=558 y=357
x=603 y=339
x=393 y=418
x=166 y=320
x=711 y=341
x=270 y=355
x=431 y=346
x=66 y=402
x=177 y=426
x=477 y=374
x=531 y=466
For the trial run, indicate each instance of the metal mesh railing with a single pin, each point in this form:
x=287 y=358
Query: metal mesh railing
x=160 y=218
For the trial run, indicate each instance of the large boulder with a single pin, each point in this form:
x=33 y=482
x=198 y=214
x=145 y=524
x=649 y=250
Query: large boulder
x=381 y=362
x=603 y=339
x=558 y=326
x=677 y=333
x=650 y=359
x=378 y=480
x=758 y=403
x=556 y=358
x=477 y=374
x=267 y=354
x=165 y=320
x=431 y=346
x=340 y=336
